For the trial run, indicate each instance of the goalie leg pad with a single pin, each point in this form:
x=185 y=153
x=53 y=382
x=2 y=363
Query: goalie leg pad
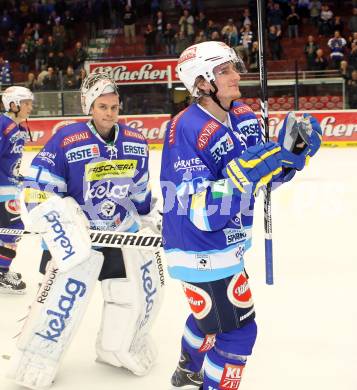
x=130 y=307
x=52 y=322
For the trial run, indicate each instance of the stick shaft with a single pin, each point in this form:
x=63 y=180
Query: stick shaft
x=261 y=7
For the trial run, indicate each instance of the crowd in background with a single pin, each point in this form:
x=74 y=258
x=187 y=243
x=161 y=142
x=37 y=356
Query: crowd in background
x=45 y=40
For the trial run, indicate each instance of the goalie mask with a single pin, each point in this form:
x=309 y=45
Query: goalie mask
x=15 y=95
x=95 y=85
x=201 y=59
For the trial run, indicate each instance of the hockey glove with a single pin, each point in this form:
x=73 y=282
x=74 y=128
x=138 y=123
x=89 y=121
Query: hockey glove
x=256 y=167
x=300 y=139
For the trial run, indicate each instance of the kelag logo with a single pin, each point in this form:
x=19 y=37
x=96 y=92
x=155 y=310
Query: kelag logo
x=149 y=289
x=57 y=318
x=83 y=153
x=57 y=228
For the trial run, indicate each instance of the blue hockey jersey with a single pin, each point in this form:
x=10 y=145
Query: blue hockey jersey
x=207 y=222
x=12 y=140
x=109 y=180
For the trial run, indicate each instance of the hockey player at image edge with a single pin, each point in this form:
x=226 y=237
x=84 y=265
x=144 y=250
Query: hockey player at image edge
x=213 y=164
x=91 y=173
x=17 y=102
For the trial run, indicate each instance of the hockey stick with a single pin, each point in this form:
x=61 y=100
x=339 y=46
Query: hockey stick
x=103 y=238
x=261 y=7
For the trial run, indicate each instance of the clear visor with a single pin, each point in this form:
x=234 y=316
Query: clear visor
x=235 y=65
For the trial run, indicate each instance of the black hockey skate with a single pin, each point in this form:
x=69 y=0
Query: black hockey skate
x=185 y=378
x=11 y=283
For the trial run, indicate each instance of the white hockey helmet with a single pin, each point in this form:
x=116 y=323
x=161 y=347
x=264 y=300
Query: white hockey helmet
x=201 y=59
x=15 y=95
x=95 y=85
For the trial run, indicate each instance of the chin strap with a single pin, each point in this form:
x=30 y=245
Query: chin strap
x=27 y=124
x=28 y=130
x=213 y=95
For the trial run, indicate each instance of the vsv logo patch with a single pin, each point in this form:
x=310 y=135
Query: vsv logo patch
x=74 y=289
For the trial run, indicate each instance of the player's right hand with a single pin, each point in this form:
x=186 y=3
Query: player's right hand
x=256 y=167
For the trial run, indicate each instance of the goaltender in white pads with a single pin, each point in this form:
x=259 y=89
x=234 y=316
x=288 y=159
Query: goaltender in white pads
x=132 y=301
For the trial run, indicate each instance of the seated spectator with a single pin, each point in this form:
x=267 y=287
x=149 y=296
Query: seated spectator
x=352 y=23
x=82 y=74
x=41 y=76
x=52 y=60
x=170 y=39
x=6 y=77
x=79 y=56
x=245 y=42
x=62 y=61
x=230 y=34
x=274 y=37
x=31 y=82
x=201 y=21
x=216 y=36
x=211 y=27
x=351 y=39
x=320 y=62
x=345 y=71
x=326 y=17
x=182 y=42
x=352 y=58
x=315 y=11
x=245 y=18
x=50 y=81
x=200 y=37
x=310 y=52
x=254 y=57
x=352 y=90
x=69 y=79
x=337 y=45
x=149 y=40
x=293 y=23
x=51 y=44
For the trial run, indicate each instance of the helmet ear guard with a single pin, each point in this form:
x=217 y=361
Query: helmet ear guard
x=95 y=85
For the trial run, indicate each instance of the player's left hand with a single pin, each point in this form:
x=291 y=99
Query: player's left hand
x=300 y=139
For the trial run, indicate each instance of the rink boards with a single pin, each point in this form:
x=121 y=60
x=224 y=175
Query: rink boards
x=339 y=127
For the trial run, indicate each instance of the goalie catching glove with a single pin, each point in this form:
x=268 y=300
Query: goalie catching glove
x=300 y=139
x=256 y=167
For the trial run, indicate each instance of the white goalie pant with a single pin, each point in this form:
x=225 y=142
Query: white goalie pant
x=130 y=307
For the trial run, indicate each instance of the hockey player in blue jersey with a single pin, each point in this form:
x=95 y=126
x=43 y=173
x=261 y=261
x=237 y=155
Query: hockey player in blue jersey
x=213 y=165
x=103 y=166
x=17 y=102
